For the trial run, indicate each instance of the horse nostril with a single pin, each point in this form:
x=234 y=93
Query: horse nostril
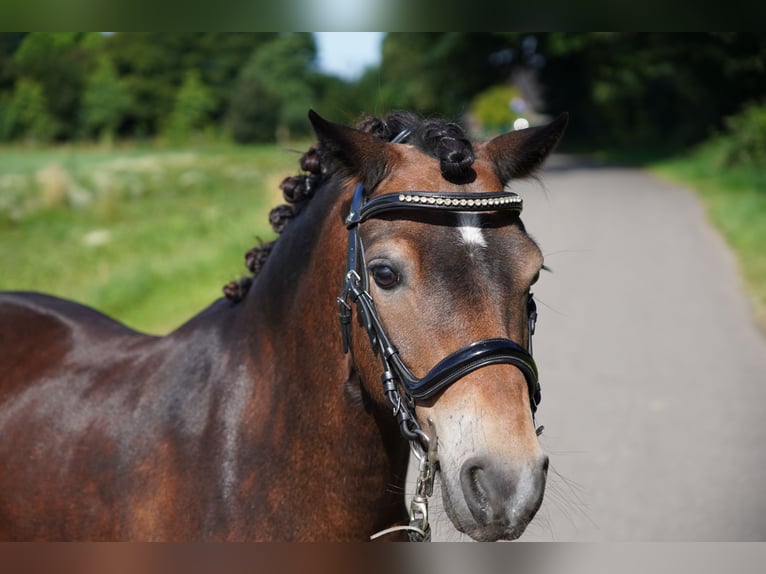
x=475 y=475
x=477 y=491
x=545 y=464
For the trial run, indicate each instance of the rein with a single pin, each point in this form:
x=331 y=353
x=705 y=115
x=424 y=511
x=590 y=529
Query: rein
x=402 y=388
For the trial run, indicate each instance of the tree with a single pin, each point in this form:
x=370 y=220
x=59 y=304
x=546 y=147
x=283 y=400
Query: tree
x=105 y=101
x=154 y=66
x=192 y=107
x=59 y=64
x=28 y=112
x=253 y=112
x=438 y=73
x=9 y=44
x=280 y=75
x=496 y=108
x=650 y=90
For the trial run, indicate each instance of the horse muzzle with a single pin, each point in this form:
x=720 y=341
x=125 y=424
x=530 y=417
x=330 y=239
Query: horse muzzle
x=501 y=499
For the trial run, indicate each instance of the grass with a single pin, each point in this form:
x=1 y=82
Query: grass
x=735 y=201
x=148 y=236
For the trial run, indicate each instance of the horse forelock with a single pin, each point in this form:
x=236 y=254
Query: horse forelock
x=440 y=139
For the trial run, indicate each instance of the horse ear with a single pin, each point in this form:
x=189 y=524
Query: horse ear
x=359 y=153
x=519 y=153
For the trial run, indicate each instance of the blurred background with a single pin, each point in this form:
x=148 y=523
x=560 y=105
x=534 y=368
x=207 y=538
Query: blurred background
x=631 y=90
x=137 y=168
x=118 y=150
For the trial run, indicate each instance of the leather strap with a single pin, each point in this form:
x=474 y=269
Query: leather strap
x=470 y=358
x=430 y=201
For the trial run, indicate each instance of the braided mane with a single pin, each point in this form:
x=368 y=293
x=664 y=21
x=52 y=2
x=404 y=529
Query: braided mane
x=442 y=140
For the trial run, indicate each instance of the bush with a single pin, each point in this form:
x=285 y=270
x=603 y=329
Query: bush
x=274 y=90
x=6 y=118
x=744 y=143
x=105 y=101
x=27 y=115
x=191 y=110
x=496 y=108
x=253 y=112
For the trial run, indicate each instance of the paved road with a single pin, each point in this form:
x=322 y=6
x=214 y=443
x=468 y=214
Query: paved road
x=653 y=371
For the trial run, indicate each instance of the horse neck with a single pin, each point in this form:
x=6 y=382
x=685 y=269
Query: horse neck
x=319 y=422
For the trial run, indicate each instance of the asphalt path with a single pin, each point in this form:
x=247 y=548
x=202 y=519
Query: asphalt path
x=653 y=370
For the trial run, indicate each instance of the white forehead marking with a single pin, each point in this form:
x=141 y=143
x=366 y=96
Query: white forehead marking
x=470 y=229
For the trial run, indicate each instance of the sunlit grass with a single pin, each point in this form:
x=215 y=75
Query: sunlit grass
x=147 y=236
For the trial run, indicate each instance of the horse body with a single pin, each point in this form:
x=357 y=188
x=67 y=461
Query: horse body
x=249 y=422
x=216 y=431
x=108 y=445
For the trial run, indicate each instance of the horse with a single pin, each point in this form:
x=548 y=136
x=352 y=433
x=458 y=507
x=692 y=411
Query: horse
x=392 y=314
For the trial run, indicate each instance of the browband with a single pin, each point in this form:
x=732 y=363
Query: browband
x=430 y=200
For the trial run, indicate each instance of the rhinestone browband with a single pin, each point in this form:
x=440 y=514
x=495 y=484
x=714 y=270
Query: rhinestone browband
x=446 y=201
x=460 y=201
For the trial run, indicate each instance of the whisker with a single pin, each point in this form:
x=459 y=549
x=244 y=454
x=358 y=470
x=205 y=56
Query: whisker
x=395 y=489
x=570 y=496
x=565 y=251
x=542 y=523
x=539 y=301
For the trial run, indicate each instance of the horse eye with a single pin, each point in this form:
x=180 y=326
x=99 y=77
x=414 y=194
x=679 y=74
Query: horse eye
x=385 y=277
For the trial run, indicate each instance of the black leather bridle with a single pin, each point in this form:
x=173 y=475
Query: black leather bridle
x=402 y=388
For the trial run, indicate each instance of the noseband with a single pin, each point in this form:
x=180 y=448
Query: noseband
x=396 y=374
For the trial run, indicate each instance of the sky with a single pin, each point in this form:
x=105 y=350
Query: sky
x=347 y=54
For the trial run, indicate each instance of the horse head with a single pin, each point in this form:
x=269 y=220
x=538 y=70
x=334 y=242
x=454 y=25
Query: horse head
x=438 y=273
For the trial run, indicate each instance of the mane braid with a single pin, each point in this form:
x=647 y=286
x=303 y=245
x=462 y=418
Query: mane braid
x=442 y=140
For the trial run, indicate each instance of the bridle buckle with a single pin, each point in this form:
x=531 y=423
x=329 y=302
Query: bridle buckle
x=344 y=316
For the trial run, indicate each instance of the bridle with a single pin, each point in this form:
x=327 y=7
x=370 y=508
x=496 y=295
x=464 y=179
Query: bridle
x=402 y=388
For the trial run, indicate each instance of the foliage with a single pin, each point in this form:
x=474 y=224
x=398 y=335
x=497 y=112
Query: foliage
x=275 y=83
x=104 y=102
x=192 y=108
x=154 y=66
x=493 y=108
x=650 y=89
x=744 y=143
x=9 y=44
x=438 y=73
x=27 y=115
x=253 y=112
x=144 y=84
x=58 y=64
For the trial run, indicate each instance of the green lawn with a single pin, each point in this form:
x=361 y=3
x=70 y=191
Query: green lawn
x=148 y=236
